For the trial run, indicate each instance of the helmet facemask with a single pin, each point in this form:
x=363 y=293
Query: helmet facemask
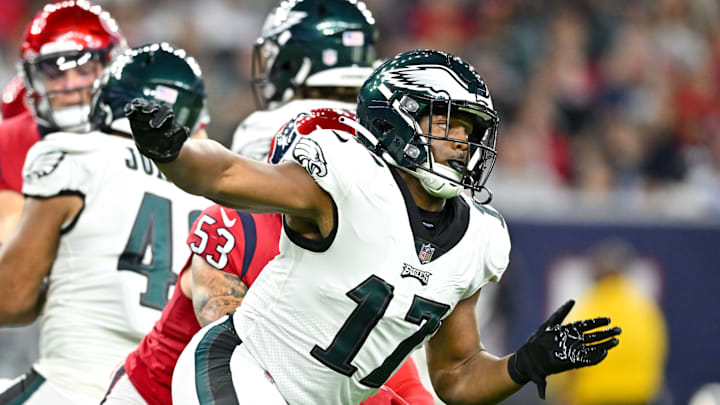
x=265 y=52
x=44 y=76
x=472 y=170
x=422 y=86
x=64 y=49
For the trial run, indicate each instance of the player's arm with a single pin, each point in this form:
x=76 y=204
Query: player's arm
x=11 y=205
x=462 y=372
x=207 y=168
x=214 y=292
x=29 y=253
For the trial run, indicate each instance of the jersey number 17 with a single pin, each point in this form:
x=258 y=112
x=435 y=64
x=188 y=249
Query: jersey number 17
x=373 y=297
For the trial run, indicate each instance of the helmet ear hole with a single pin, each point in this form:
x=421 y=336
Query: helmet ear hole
x=382 y=126
x=289 y=66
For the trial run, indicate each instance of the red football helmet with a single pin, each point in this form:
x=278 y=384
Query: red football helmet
x=12 y=98
x=64 y=50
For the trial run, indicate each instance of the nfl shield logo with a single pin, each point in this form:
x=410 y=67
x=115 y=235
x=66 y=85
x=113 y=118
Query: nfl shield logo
x=426 y=253
x=166 y=94
x=353 y=38
x=329 y=57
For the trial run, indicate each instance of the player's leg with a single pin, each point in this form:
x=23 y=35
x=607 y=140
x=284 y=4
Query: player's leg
x=190 y=379
x=252 y=383
x=216 y=368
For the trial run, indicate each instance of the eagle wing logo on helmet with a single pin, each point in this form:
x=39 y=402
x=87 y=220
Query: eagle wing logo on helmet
x=437 y=80
x=282 y=20
x=309 y=155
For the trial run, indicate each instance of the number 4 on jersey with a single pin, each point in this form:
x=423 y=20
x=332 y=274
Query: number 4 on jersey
x=152 y=230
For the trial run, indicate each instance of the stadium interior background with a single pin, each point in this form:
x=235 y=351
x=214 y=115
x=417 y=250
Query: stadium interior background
x=609 y=148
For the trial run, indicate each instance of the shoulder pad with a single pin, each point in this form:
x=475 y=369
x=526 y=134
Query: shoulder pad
x=52 y=167
x=71 y=142
x=214 y=237
x=304 y=124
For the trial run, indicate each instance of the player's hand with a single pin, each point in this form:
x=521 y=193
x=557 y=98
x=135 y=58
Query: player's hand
x=555 y=348
x=156 y=133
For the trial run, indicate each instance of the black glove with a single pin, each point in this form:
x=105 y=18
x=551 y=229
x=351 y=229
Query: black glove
x=555 y=348
x=156 y=133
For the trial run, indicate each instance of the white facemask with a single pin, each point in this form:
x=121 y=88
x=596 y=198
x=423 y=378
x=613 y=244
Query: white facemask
x=73 y=118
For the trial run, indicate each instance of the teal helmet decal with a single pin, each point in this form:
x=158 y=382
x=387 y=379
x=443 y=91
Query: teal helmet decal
x=154 y=71
x=429 y=83
x=312 y=43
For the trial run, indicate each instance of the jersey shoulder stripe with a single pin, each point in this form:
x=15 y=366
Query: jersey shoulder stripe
x=268 y=228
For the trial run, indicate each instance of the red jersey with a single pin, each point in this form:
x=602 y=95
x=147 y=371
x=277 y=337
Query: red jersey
x=230 y=240
x=17 y=135
x=241 y=244
x=12 y=102
x=403 y=388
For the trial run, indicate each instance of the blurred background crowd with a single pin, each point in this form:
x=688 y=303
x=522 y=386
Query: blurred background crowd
x=610 y=131
x=608 y=107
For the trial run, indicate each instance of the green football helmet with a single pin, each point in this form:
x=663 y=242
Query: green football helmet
x=315 y=44
x=154 y=71
x=422 y=83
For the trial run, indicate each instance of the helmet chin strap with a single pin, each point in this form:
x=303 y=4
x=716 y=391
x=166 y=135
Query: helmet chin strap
x=432 y=183
x=435 y=185
x=73 y=118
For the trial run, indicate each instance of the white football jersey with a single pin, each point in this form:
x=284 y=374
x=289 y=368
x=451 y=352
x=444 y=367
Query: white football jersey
x=117 y=262
x=331 y=320
x=253 y=136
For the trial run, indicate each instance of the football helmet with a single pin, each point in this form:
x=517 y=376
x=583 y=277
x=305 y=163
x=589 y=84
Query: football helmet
x=155 y=72
x=313 y=44
x=57 y=52
x=423 y=83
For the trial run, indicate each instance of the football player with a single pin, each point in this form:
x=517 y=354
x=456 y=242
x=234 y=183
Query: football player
x=147 y=372
x=106 y=230
x=311 y=54
x=65 y=47
x=380 y=250
x=230 y=249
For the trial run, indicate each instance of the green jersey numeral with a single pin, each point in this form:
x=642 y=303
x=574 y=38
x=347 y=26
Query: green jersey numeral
x=151 y=233
x=373 y=297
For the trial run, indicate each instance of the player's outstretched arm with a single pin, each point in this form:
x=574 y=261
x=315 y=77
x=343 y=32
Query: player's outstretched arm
x=462 y=372
x=206 y=168
x=214 y=292
x=28 y=255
